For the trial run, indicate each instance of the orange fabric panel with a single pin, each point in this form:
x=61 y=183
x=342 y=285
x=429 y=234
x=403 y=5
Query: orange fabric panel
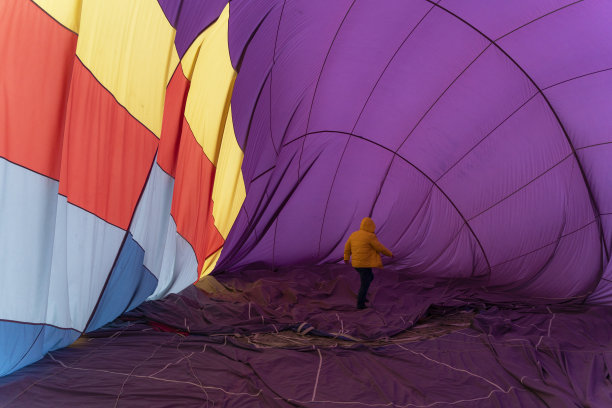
x=107 y=153
x=192 y=200
x=36 y=57
x=174 y=108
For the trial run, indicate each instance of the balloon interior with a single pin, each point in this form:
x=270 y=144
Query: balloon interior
x=178 y=181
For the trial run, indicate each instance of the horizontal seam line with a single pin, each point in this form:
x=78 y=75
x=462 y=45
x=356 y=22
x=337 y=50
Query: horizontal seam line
x=54 y=19
x=28 y=169
x=544 y=246
x=115 y=98
x=40 y=324
x=577 y=77
x=522 y=187
x=538 y=18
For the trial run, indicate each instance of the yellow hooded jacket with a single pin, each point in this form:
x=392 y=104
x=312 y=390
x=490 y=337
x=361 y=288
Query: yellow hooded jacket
x=363 y=247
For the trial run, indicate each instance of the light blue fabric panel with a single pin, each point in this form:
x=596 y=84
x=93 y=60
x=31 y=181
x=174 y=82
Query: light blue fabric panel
x=167 y=255
x=83 y=268
x=129 y=285
x=55 y=256
x=27 y=230
x=22 y=343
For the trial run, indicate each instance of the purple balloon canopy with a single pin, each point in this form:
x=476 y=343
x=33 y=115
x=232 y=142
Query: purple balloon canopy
x=475 y=134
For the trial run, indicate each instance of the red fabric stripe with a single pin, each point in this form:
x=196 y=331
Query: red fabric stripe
x=174 y=108
x=36 y=60
x=107 y=153
x=192 y=201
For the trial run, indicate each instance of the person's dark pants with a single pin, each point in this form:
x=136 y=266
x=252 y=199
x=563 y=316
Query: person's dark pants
x=366 y=276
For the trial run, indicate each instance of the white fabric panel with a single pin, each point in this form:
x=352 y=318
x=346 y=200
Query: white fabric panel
x=167 y=255
x=55 y=256
x=27 y=224
x=82 y=262
x=179 y=264
x=151 y=218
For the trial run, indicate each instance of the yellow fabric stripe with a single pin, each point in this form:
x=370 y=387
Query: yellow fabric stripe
x=174 y=61
x=228 y=191
x=129 y=48
x=209 y=264
x=189 y=58
x=209 y=115
x=67 y=12
x=209 y=96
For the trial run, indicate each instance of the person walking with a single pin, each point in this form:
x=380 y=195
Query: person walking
x=363 y=250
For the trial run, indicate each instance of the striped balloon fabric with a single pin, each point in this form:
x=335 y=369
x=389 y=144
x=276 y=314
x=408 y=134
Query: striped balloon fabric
x=121 y=173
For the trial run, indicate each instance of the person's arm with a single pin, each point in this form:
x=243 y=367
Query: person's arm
x=347 y=250
x=380 y=247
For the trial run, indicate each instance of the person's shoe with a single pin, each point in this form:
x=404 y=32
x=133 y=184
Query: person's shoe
x=360 y=307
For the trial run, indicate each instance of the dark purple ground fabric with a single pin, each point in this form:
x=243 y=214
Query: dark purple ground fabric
x=193 y=349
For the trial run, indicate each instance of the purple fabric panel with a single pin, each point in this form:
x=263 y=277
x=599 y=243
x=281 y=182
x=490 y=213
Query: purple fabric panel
x=282 y=184
x=366 y=42
x=261 y=150
x=190 y=18
x=358 y=170
x=580 y=43
x=256 y=199
x=516 y=271
x=245 y=18
x=170 y=9
x=603 y=292
x=306 y=208
x=265 y=199
x=235 y=238
x=360 y=175
x=558 y=280
x=299 y=42
x=251 y=94
x=553 y=205
x=306 y=36
x=435 y=240
x=263 y=243
x=497 y=18
x=521 y=149
x=193 y=18
x=584 y=107
x=427 y=63
x=404 y=191
x=468 y=112
x=597 y=164
x=553 y=274
x=606 y=222
x=456 y=256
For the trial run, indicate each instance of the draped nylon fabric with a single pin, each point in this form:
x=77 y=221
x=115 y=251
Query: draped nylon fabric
x=120 y=169
x=146 y=144
x=460 y=130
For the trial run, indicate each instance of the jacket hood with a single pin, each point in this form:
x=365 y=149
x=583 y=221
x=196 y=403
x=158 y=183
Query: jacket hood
x=367 y=224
